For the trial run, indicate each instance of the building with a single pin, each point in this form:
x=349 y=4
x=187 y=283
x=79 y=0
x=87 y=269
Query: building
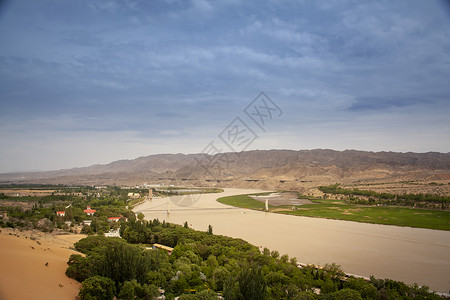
x=117 y=219
x=159 y=246
x=60 y=213
x=134 y=195
x=112 y=233
x=89 y=211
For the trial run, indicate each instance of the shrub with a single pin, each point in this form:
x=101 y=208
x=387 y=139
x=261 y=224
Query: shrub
x=97 y=287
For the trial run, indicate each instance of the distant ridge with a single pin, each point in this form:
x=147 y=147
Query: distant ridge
x=256 y=168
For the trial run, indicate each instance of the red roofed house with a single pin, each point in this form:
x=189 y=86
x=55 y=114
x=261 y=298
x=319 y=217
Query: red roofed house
x=116 y=219
x=89 y=211
x=61 y=213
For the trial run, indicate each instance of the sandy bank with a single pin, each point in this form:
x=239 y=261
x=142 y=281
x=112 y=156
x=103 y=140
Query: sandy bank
x=33 y=265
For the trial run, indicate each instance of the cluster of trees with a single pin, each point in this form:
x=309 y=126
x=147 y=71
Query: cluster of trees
x=38 y=217
x=42 y=215
x=373 y=198
x=203 y=265
x=110 y=201
x=41 y=200
x=186 y=191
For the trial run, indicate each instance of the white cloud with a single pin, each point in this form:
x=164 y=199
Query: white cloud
x=202 y=5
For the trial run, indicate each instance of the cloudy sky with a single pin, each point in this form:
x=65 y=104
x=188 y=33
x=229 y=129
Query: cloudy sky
x=87 y=81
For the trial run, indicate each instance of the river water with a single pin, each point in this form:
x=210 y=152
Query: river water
x=411 y=255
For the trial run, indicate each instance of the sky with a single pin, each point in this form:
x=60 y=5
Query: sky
x=92 y=81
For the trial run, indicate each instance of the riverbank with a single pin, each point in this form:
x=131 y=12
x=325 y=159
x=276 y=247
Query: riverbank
x=33 y=265
x=400 y=253
x=340 y=210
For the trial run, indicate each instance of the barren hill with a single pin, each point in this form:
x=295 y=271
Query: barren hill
x=281 y=169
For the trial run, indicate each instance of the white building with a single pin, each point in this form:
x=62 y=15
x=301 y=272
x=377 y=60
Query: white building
x=112 y=233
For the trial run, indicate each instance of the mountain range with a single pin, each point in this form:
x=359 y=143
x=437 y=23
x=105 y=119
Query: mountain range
x=281 y=169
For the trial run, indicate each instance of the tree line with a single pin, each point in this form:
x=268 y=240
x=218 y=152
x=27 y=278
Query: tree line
x=373 y=198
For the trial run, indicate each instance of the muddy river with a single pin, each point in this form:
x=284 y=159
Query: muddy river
x=401 y=253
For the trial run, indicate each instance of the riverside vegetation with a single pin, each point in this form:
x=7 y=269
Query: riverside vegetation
x=367 y=197
x=203 y=266
x=413 y=210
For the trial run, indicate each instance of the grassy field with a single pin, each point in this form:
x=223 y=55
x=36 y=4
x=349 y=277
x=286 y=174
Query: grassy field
x=339 y=210
x=243 y=201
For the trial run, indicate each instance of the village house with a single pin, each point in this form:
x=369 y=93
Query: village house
x=89 y=211
x=134 y=195
x=87 y=222
x=159 y=246
x=117 y=219
x=112 y=233
x=60 y=213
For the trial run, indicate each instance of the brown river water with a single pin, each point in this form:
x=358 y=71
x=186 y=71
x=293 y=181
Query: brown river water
x=411 y=255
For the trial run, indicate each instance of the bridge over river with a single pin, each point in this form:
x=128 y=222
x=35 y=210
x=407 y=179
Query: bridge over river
x=401 y=253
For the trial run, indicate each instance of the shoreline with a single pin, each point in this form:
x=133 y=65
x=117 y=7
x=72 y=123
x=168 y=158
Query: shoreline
x=34 y=264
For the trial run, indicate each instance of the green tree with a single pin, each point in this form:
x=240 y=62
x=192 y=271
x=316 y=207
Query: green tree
x=122 y=262
x=328 y=286
x=127 y=291
x=344 y=294
x=333 y=270
x=366 y=289
x=252 y=285
x=97 y=287
x=275 y=254
x=156 y=278
x=219 y=278
x=203 y=295
x=210 y=229
x=306 y=296
x=79 y=268
x=284 y=258
x=146 y=292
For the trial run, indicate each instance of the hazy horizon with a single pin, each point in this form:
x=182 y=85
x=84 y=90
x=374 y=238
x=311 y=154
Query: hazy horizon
x=92 y=82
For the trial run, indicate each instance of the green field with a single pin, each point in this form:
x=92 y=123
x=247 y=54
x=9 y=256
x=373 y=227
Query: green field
x=243 y=201
x=339 y=210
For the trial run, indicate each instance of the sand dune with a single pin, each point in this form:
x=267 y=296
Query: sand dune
x=35 y=269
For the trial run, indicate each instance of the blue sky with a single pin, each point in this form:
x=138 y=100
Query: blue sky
x=90 y=81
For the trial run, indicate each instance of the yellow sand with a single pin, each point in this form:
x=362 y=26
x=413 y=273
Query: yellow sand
x=23 y=270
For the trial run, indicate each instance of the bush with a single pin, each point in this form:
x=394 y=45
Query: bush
x=78 y=268
x=203 y=295
x=345 y=294
x=252 y=284
x=97 y=287
x=127 y=291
